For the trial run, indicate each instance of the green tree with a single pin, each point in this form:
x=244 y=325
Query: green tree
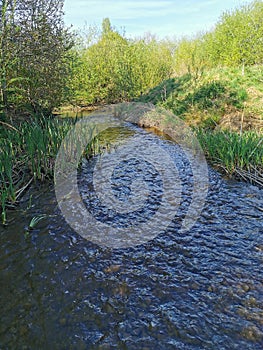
x=34 y=49
x=238 y=37
x=190 y=56
x=236 y=40
x=8 y=51
x=114 y=69
x=106 y=26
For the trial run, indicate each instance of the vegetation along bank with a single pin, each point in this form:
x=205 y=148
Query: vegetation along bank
x=213 y=81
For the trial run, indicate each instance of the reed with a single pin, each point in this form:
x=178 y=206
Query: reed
x=238 y=155
x=28 y=152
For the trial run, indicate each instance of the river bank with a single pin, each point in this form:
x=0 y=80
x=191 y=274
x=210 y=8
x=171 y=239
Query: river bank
x=237 y=155
x=29 y=148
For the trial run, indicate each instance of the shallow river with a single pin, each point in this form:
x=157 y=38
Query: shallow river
x=201 y=289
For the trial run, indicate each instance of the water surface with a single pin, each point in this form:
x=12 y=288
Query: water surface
x=202 y=290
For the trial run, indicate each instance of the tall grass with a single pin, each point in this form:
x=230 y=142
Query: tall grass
x=237 y=154
x=28 y=153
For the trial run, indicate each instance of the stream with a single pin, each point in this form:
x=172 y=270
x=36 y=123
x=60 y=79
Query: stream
x=201 y=289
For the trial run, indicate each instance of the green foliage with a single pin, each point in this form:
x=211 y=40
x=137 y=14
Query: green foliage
x=208 y=97
x=33 y=56
x=235 y=41
x=235 y=153
x=197 y=78
x=169 y=91
x=35 y=220
x=27 y=152
x=109 y=68
x=113 y=68
x=40 y=70
x=237 y=38
x=190 y=56
x=216 y=95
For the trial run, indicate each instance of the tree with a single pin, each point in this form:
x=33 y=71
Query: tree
x=238 y=37
x=114 y=69
x=7 y=49
x=106 y=26
x=190 y=56
x=236 y=40
x=41 y=45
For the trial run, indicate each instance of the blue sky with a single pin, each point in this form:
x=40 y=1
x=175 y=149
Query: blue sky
x=172 y=18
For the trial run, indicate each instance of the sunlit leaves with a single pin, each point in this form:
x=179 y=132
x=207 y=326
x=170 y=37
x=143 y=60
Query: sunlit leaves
x=236 y=40
x=114 y=68
x=34 y=55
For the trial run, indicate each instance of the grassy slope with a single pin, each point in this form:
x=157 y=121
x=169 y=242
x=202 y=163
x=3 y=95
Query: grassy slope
x=226 y=108
x=205 y=100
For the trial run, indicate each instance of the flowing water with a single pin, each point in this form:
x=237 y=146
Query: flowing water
x=197 y=290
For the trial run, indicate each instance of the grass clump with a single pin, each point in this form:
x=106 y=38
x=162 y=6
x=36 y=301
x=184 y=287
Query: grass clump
x=28 y=153
x=238 y=155
x=28 y=150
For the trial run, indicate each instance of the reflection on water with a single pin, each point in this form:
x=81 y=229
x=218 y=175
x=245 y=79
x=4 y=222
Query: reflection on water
x=59 y=291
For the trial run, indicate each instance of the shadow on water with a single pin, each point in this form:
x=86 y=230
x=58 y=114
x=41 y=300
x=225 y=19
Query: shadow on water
x=60 y=291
